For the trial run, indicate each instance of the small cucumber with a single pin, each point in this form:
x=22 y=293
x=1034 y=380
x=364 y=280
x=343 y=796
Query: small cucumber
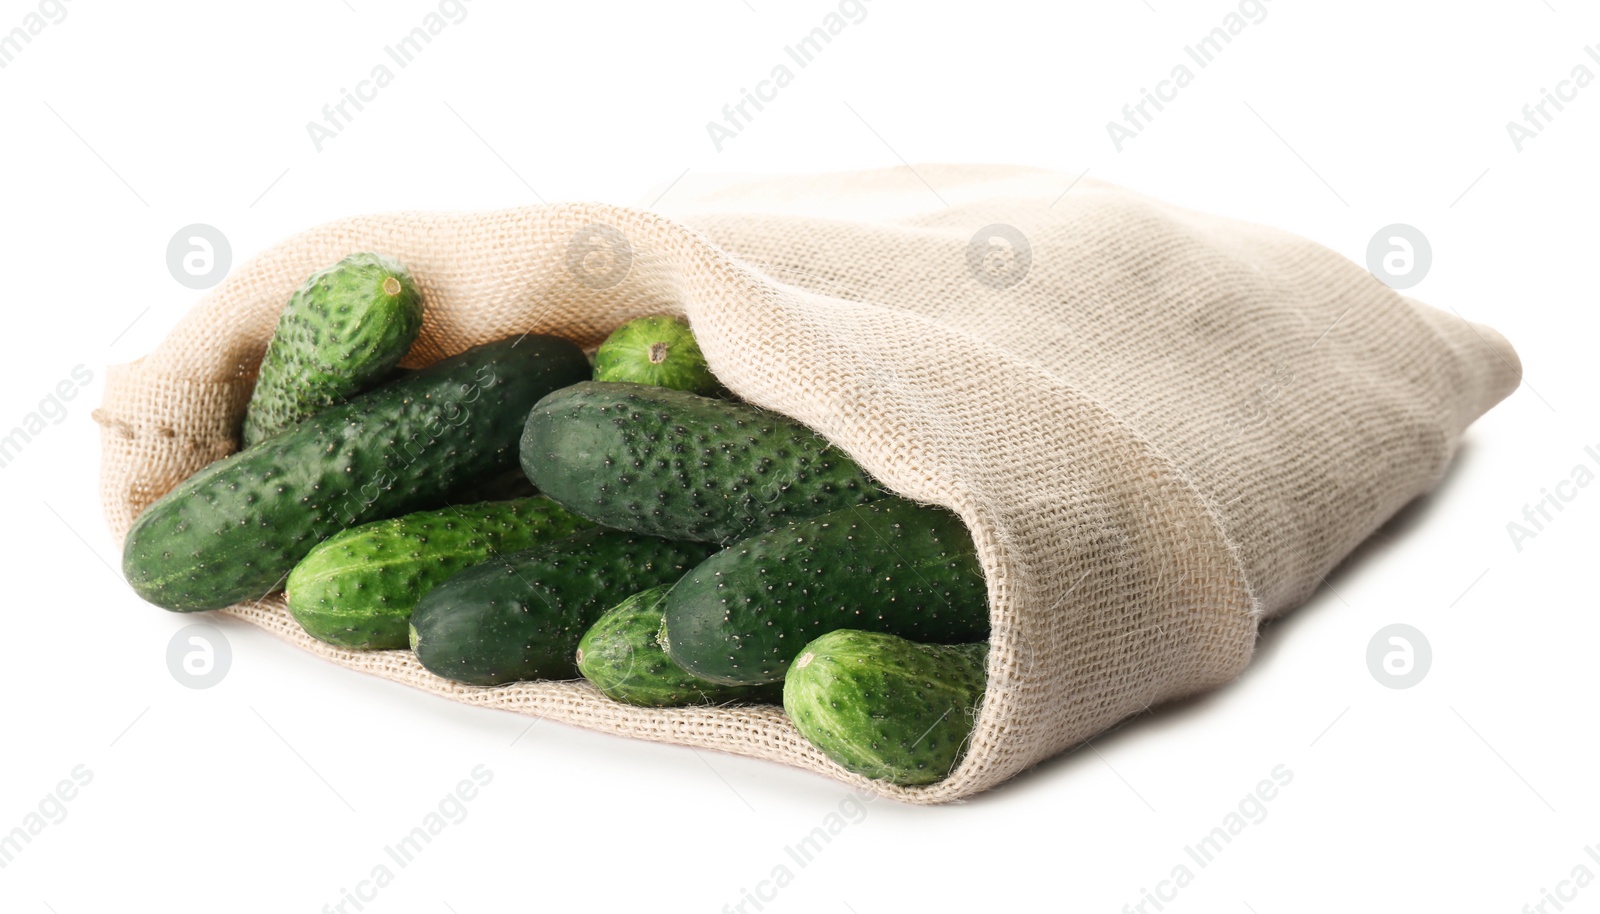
x=342 y=333
x=520 y=616
x=675 y=464
x=235 y=529
x=658 y=350
x=892 y=565
x=884 y=707
x=357 y=588
x=622 y=658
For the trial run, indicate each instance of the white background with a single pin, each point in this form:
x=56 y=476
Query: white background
x=278 y=789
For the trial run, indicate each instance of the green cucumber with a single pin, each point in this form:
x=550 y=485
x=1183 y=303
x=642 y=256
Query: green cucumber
x=621 y=656
x=235 y=529
x=342 y=333
x=357 y=588
x=656 y=350
x=520 y=617
x=675 y=464
x=893 y=566
x=884 y=707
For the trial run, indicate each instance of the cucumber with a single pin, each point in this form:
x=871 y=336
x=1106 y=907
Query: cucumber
x=357 y=588
x=520 y=616
x=620 y=656
x=342 y=333
x=657 y=350
x=893 y=566
x=236 y=528
x=884 y=707
x=675 y=464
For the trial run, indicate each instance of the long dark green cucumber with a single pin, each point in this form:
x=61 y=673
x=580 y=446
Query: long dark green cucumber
x=520 y=616
x=234 y=530
x=358 y=587
x=885 y=707
x=892 y=565
x=341 y=334
x=675 y=464
x=622 y=656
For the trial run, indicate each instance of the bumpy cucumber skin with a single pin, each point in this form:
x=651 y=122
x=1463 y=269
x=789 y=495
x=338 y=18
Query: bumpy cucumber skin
x=236 y=528
x=621 y=657
x=892 y=566
x=342 y=333
x=658 y=350
x=674 y=464
x=357 y=588
x=884 y=707
x=520 y=617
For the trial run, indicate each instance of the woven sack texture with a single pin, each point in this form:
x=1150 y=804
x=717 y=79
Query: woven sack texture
x=1161 y=427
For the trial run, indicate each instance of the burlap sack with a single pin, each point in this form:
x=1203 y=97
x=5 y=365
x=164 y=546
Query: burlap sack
x=1161 y=427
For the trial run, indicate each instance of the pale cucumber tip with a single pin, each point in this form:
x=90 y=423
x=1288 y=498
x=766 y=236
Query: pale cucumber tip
x=412 y=638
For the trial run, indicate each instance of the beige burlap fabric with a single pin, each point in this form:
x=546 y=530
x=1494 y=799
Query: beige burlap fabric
x=1160 y=426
